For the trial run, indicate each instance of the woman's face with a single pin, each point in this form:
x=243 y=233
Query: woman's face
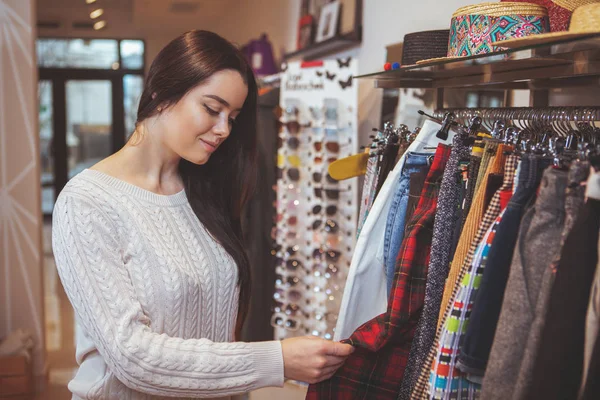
x=200 y=122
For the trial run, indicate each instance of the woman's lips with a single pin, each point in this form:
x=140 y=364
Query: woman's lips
x=208 y=146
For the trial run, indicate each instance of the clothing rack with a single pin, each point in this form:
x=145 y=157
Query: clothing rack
x=523 y=117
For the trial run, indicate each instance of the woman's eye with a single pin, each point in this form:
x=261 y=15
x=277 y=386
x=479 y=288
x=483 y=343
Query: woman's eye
x=211 y=111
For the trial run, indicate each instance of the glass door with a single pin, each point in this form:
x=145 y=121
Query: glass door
x=46 y=126
x=89 y=124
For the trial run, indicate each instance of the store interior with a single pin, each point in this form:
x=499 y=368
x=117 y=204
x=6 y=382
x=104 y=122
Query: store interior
x=428 y=188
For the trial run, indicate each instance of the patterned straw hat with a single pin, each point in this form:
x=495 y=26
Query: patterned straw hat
x=475 y=28
x=559 y=16
x=585 y=21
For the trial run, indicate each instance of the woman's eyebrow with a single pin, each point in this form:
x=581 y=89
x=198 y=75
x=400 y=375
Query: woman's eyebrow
x=220 y=100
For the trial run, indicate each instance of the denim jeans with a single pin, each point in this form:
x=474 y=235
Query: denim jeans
x=394 y=228
x=479 y=337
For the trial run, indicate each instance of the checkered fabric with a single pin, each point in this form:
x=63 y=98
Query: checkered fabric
x=421 y=390
x=446 y=380
x=446 y=218
x=376 y=368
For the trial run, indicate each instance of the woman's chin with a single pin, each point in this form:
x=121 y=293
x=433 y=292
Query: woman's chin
x=198 y=159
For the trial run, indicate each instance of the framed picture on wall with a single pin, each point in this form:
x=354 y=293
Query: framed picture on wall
x=328 y=21
x=316 y=6
x=305 y=31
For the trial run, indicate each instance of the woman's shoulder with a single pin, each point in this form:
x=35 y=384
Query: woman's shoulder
x=86 y=190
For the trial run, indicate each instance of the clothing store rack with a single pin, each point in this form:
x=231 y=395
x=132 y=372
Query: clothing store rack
x=524 y=116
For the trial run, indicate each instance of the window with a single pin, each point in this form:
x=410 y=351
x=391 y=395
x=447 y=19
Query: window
x=90 y=53
x=132 y=54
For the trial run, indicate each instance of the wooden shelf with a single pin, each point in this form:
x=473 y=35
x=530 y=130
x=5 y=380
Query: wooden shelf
x=563 y=63
x=327 y=47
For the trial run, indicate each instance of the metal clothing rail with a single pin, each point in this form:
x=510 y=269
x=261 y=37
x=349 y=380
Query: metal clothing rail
x=562 y=119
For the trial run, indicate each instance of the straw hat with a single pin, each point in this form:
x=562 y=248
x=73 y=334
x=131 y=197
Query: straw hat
x=585 y=21
x=559 y=16
x=424 y=45
x=572 y=5
x=474 y=28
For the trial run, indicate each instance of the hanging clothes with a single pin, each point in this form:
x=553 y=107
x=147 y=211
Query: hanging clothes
x=368 y=188
x=470 y=355
x=474 y=165
x=394 y=227
x=538 y=242
x=472 y=226
x=365 y=293
x=446 y=217
x=475 y=228
x=573 y=201
x=591 y=362
x=386 y=164
x=557 y=373
x=446 y=380
x=376 y=368
x=494 y=279
x=417 y=180
x=590 y=384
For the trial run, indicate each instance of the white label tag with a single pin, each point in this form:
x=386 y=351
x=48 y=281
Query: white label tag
x=257 y=60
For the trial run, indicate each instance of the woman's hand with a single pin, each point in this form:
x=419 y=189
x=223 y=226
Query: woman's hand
x=311 y=359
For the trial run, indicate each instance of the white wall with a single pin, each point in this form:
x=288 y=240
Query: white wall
x=20 y=209
x=384 y=22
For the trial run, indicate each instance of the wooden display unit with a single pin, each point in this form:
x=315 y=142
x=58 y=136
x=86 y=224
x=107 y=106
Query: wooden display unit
x=560 y=64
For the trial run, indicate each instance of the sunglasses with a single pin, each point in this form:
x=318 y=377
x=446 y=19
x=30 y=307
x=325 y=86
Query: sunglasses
x=276 y=249
x=292 y=250
x=318 y=177
x=287 y=281
x=326 y=239
x=292 y=221
x=291 y=264
x=281 y=321
x=329 y=210
x=332 y=147
x=319 y=159
x=278 y=234
x=293 y=174
x=293 y=160
x=330 y=225
x=332 y=194
x=292 y=142
x=329 y=255
x=292 y=295
x=293 y=127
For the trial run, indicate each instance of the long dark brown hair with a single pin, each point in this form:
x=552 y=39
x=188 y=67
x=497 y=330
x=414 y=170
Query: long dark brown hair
x=219 y=189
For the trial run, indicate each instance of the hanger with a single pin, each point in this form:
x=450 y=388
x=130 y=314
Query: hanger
x=356 y=165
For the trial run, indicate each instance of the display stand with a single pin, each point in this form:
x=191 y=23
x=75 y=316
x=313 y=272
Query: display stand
x=316 y=220
x=560 y=64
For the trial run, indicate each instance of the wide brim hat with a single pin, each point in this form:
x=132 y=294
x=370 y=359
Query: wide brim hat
x=490 y=20
x=573 y=5
x=585 y=21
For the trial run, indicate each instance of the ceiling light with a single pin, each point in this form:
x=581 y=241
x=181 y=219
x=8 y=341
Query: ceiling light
x=90 y=1
x=96 y=13
x=99 y=25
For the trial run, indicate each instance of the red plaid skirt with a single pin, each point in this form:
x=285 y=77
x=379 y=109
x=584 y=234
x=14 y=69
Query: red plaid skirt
x=375 y=370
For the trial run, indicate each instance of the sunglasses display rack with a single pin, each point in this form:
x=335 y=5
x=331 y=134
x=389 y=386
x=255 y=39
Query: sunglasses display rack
x=315 y=227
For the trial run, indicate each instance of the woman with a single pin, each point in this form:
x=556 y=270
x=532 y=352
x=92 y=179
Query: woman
x=148 y=243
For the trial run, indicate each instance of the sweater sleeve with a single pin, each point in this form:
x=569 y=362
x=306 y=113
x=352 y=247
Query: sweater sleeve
x=89 y=261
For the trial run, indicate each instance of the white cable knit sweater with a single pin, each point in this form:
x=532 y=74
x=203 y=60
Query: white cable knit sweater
x=155 y=297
